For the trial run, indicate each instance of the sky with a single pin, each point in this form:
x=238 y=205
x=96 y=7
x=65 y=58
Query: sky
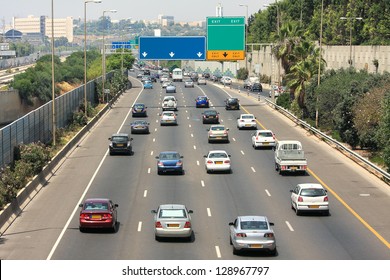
x=182 y=10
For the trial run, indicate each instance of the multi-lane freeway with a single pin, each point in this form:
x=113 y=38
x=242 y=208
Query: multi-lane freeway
x=358 y=226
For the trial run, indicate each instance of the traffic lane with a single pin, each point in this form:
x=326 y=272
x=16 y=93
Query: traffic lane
x=323 y=158
x=34 y=232
x=287 y=202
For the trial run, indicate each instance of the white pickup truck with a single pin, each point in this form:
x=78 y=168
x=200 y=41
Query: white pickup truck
x=290 y=157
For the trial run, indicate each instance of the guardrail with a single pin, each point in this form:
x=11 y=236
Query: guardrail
x=386 y=175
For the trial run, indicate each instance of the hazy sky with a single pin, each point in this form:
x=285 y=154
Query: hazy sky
x=182 y=10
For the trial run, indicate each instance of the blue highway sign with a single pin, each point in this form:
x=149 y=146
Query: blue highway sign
x=172 y=48
x=121 y=45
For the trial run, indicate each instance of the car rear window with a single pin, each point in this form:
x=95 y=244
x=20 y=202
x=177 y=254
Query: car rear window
x=218 y=155
x=119 y=138
x=169 y=114
x=313 y=192
x=139 y=106
x=96 y=206
x=248 y=225
x=247 y=117
x=217 y=128
x=265 y=134
x=172 y=213
x=169 y=156
x=202 y=98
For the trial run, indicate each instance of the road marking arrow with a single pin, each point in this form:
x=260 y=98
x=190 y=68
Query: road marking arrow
x=171 y=54
x=199 y=54
x=144 y=54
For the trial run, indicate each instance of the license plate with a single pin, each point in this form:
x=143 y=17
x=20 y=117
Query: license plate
x=119 y=145
x=314 y=206
x=173 y=225
x=211 y=117
x=256 y=246
x=265 y=143
x=168 y=120
x=293 y=168
x=96 y=217
x=218 y=162
x=247 y=125
x=218 y=137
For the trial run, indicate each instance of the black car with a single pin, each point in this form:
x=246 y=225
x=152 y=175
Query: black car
x=139 y=126
x=210 y=116
x=206 y=75
x=139 y=110
x=232 y=104
x=256 y=87
x=120 y=144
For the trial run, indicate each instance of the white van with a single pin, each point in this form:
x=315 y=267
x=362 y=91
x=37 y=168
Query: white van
x=177 y=75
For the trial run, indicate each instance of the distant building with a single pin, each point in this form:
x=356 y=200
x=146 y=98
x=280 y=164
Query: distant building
x=42 y=25
x=166 y=20
x=13 y=35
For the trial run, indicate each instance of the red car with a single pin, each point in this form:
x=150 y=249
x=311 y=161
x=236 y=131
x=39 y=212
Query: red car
x=98 y=213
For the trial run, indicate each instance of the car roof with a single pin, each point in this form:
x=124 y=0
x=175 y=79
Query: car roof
x=169 y=96
x=311 y=186
x=121 y=134
x=217 y=151
x=217 y=125
x=96 y=200
x=253 y=218
x=263 y=130
x=246 y=115
x=172 y=206
x=281 y=142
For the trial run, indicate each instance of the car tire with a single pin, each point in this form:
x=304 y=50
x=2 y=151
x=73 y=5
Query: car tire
x=114 y=227
x=273 y=252
x=297 y=212
x=326 y=213
x=276 y=167
x=159 y=172
x=82 y=229
x=157 y=238
x=230 y=240
x=235 y=251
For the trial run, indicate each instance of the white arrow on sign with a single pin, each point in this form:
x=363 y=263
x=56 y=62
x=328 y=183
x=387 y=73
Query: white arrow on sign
x=171 y=54
x=144 y=54
x=199 y=54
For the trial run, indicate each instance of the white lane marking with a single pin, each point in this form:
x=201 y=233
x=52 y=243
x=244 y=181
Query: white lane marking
x=194 y=147
x=188 y=118
x=253 y=169
x=76 y=208
x=149 y=170
x=154 y=139
x=192 y=135
x=268 y=193
x=155 y=129
x=185 y=106
x=208 y=212
x=289 y=226
x=242 y=152
x=202 y=183
x=139 y=226
x=156 y=121
x=197 y=162
x=189 y=125
x=145 y=193
x=234 y=139
x=221 y=120
x=158 y=114
x=218 y=252
x=186 y=111
x=151 y=153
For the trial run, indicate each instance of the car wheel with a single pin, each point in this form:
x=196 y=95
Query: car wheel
x=159 y=172
x=115 y=227
x=157 y=238
x=82 y=229
x=276 y=167
x=297 y=212
x=235 y=251
x=326 y=213
x=273 y=252
x=230 y=239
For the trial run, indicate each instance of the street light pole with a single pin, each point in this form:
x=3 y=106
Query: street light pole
x=350 y=35
x=53 y=96
x=104 y=56
x=277 y=28
x=319 y=62
x=85 y=52
x=246 y=37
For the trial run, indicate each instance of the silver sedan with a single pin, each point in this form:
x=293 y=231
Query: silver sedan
x=252 y=233
x=172 y=220
x=168 y=118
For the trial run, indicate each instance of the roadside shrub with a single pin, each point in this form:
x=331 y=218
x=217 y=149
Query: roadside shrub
x=284 y=101
x=35 y=154
x=242 y=74
x=9 y=184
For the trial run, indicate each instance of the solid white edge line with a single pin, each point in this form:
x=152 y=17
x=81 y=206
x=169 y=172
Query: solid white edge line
x=208 y=212
x=145 y=193
x=289 y=226
x=87 y=188
x=218 y=252
x=139 y=226
x=268 y=193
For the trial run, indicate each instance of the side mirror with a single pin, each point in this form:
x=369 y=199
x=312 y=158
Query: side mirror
x=153 y=212
x=131 y=139
x=205 y=156
x=181 y=157
x=231 y=224
x=291 y=190
x=81 y=205
x=190 y=211
x=208 y=129
x=109 y=138
x=157 y=157
x=229 y=155
x=116 y=205
x=227 y=129
x=271 y=224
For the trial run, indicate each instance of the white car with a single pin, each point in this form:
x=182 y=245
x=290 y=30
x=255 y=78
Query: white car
x=165 y=84
x=202 y=81
x=246 y=121
x=263 y=138
x=217 y=160
x=188 y=83
x=171 y=88
x=169 y=103
x=168 y=118
x=310 y=197
x=226 y=80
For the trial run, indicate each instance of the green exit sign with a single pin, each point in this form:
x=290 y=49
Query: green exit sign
x=226 y=34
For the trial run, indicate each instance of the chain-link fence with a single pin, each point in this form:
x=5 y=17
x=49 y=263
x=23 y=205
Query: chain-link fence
x=37 y=125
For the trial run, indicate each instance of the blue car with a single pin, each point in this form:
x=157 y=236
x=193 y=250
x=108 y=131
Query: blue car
x=202 y=101
x=169 y=162
x=148 y=85
x=139 y=110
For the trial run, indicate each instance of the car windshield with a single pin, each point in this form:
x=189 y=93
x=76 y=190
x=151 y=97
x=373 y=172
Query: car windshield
x=217 y=128
x=172 y=213
x=202 y=98
x=119 y=138
x=169 y=156
x=169 y=114
x=313 y=192
x=96 y=206
x=208 y=113
x=265 y=134
x=247 y=117
x=253 y=225
x=139 y=106
x=232 y=101
x=140 y=122
x=218 y=155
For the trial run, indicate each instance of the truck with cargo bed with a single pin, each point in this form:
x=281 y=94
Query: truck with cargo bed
x=290 y=157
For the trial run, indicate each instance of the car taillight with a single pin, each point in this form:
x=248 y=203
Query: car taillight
x=179 y=163
x=225 y=133
x=187 y=225
x=241 y=120
x=106 y=216
x=227 y=161
x=300 y=199
x=160 y=163
x=209 y=162
x=325 y=198
x=253 y=120
x=84 y=216
x=158 y=225
x=269 y=235
x=257 y=138
x=241 y=234
x=273 y=136
x=204 y=116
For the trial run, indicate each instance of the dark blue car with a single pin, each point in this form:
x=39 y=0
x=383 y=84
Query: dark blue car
x=202 y=101
x=169 y=162
x=139 y=110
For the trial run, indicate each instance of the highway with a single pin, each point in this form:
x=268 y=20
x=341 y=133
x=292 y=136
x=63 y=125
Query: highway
x=358 y=227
